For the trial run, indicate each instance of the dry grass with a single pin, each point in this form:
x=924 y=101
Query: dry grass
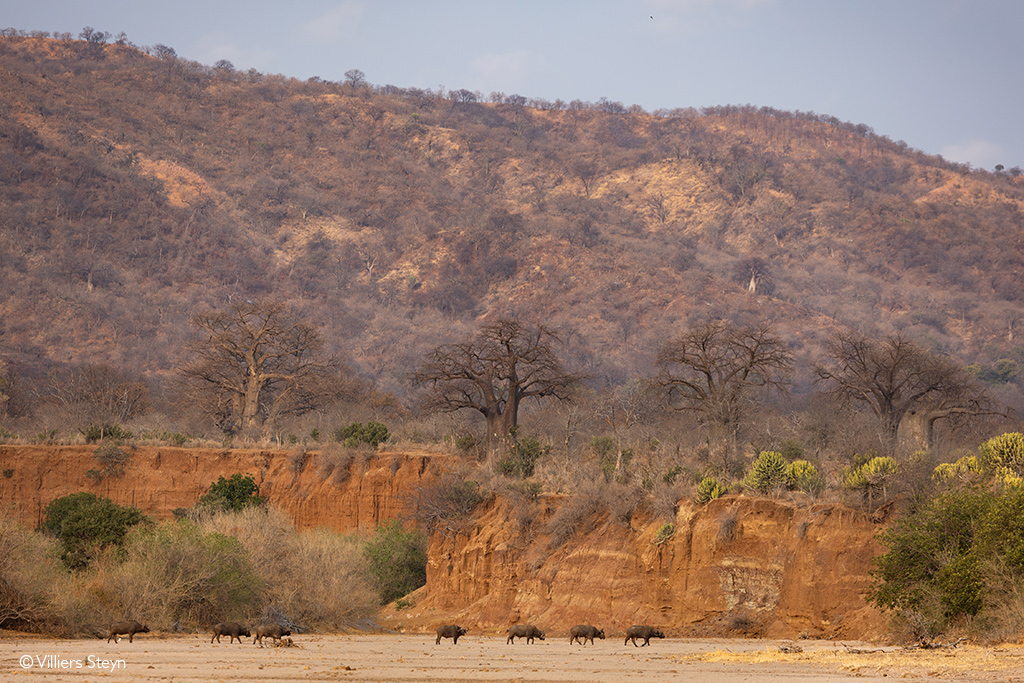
x=894 y=662
x=27 y=574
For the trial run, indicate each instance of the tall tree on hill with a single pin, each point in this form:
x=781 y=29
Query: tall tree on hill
x=506 y=362
x=712 y=369
x=900 y=381
x=255 y=363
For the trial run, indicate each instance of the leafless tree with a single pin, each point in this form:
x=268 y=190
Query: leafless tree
x=712 y=369
x=255 y=363
x=98 y=394
x=506 y=362
x=898 y=379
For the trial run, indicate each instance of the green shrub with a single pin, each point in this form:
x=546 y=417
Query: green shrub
x=1001 y=533
x=528 y=490
x=671 y=474
x=47 y=436
x=235 y=493
x=372 y=434
x=664 y=534
x=871 y=478
x=97 y=433
x=466 y=442
x=398 y=560
x=112 y=459
x=603 y=445
x=616 y=461
x=803 y=476
x=171 y=438
x=1003 y=454
x=791 y=450
x=521 y=458
x=930 y=567
x=708 y=489
x=768 y=472
x=85 y=524
x=7 y=435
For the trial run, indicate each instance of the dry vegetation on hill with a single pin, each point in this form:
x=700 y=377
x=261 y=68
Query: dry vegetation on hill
x=138 y=188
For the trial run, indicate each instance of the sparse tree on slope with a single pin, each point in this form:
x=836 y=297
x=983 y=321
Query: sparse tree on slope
x=898 y=380
x=506 y=362
x=712 y=369
x=255 y=363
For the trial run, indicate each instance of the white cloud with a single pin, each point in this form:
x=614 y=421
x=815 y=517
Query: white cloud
x=507 y=70
x=977 y=153
x=336 y=24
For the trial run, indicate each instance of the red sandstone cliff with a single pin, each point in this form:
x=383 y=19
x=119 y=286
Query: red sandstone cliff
x=356 y=495
x=736 y=565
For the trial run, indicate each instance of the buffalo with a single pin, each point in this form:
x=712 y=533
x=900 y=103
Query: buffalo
x=126 y=628
x=452 y=631
x=527 y=631
x=230 y=628
x=274 y=631
x=645 y=632
x=585 y=632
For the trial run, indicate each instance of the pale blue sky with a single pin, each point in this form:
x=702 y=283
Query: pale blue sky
x=941 y=75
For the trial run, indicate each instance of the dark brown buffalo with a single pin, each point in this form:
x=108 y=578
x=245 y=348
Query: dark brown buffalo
x=527 y=631
x=126 y=628
x=452 y=631
x=585 y=632
x=230 y=628
x=275 y=631
x=646 y=632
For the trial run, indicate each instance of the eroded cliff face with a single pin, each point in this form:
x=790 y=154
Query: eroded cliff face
x=738 y=566
x=314 y=489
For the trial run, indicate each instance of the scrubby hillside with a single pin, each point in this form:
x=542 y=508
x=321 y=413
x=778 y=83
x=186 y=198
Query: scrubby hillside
x=139 y=188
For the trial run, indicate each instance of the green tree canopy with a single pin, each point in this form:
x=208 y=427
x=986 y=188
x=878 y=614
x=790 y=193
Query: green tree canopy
x=85 y=524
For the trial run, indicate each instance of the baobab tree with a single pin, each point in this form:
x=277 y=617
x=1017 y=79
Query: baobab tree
x=899 y=381
x=505 y=363
x=254 y=363
x=712 y=369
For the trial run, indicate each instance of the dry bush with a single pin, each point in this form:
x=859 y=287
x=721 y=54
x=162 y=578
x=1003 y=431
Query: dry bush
x=446 y=503
x=665 y=499
x=179 y=573
x=1003 y=618
x=576 y=515
x=317 y=579
x=82 y=604
x=622 y=501
x=328 y=585
x=522 y=509
x=335 y=463
x=28 y=572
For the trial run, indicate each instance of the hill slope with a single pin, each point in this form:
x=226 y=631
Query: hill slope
x=136 y=190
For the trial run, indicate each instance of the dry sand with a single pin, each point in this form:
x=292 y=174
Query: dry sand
x=415 y=658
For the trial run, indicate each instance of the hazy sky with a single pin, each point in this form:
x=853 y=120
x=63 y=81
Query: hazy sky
x=942 y=75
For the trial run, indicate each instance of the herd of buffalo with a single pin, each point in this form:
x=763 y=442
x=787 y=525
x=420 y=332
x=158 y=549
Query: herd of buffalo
x=578 y=634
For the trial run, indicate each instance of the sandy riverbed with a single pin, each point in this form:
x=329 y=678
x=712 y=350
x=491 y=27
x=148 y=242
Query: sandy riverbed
x=415 y=659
